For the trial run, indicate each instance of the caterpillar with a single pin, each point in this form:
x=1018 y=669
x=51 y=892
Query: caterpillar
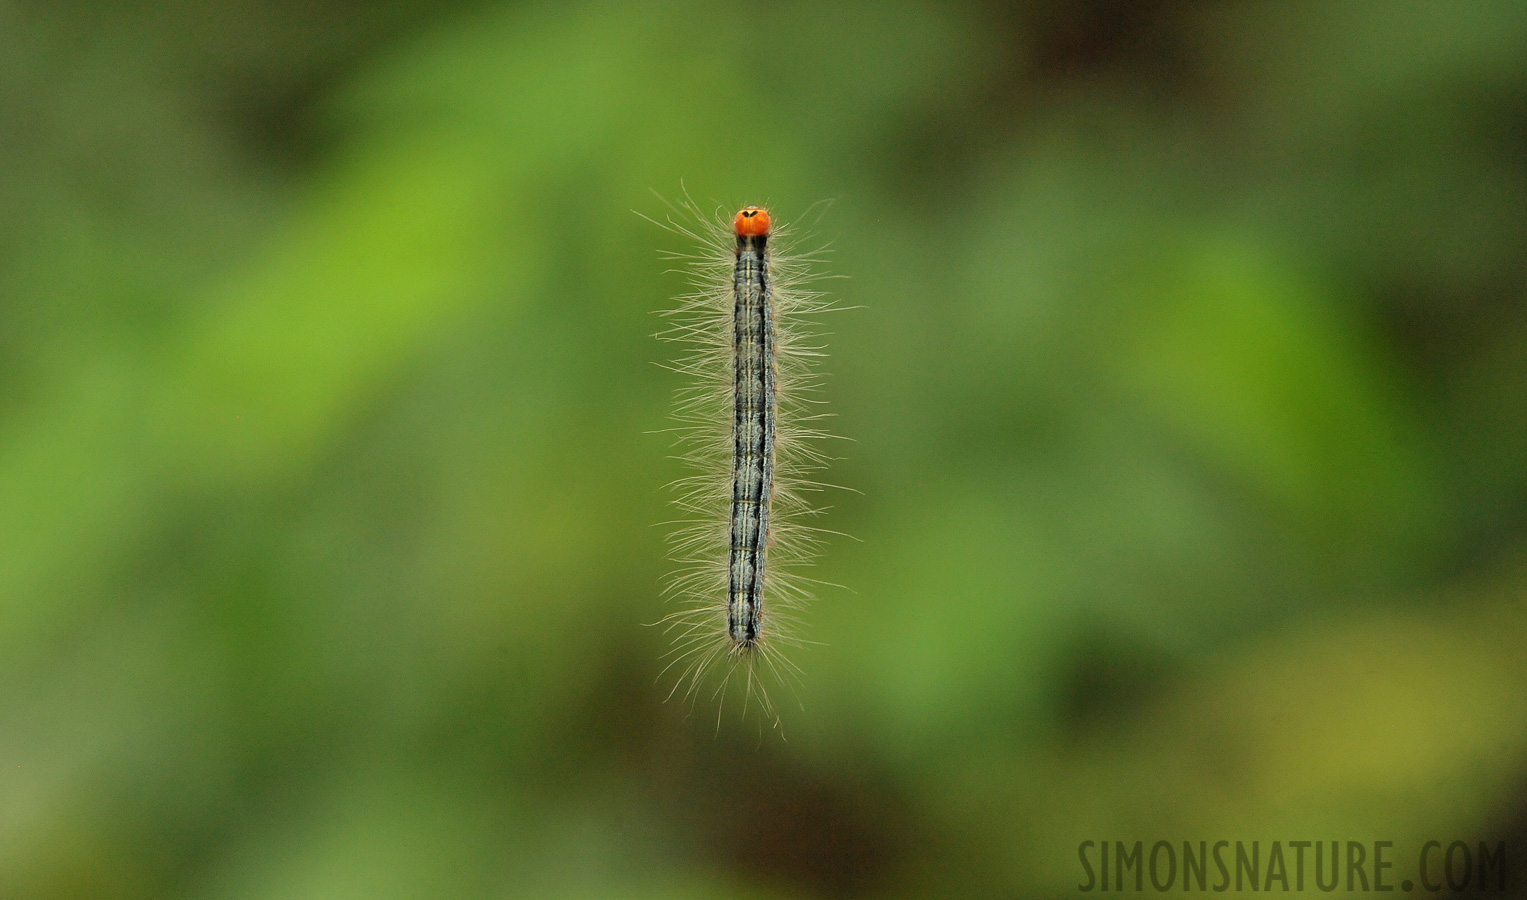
x=749 y=428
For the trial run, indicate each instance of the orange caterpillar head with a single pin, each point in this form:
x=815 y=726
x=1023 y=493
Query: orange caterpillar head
x=751 y=222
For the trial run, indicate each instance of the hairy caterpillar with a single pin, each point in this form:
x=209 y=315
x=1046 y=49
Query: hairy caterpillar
x=748 y=428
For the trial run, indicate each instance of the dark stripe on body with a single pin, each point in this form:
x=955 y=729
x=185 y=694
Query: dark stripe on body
x=753 y=427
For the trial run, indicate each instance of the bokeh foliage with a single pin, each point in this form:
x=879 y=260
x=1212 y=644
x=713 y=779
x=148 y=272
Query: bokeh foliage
x=1185 y=393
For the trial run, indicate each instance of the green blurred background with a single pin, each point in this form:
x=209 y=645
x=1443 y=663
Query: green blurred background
x=1186 y=401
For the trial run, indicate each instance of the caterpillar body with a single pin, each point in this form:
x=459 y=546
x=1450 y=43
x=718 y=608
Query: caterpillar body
x=749 y=429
